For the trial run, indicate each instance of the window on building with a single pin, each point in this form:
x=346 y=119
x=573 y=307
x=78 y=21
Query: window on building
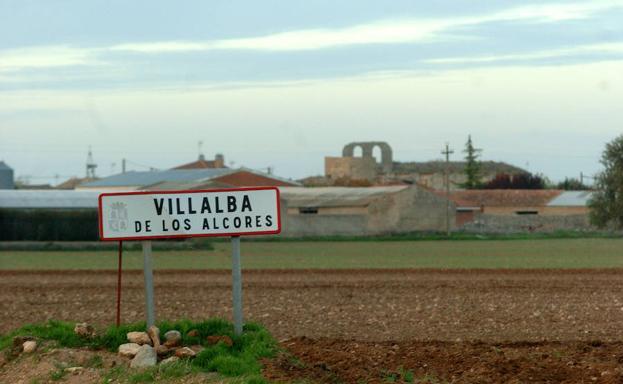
x=308 y=210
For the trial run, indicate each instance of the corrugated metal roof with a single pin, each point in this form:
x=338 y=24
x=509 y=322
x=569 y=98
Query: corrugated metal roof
x=295 y=197
x=134 y=178
x=48 y=199
x=335 y=196
x=174 y=186
x=571 y=199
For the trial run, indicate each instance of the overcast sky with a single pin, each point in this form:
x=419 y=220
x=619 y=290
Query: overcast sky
x=285 y=83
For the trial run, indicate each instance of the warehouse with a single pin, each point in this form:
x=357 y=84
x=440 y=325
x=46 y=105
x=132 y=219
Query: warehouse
x=48 y=215
x=330 y=211
x=511 y=211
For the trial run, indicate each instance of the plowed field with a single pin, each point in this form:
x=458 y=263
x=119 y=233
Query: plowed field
x=503 y=325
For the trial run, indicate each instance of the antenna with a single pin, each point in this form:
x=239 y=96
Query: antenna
x=91 y=165
x=200 y=149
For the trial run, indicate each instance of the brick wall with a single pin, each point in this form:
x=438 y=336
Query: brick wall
x=527 y=223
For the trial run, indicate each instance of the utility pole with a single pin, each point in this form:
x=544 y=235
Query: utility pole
x=447 y=152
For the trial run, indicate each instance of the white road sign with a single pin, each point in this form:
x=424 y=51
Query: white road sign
x=171 y=214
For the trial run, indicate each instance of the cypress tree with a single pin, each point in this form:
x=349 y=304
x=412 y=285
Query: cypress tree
x=472 y=165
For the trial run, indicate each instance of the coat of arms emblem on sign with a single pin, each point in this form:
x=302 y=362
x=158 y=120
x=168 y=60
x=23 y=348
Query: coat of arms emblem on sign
x=118 y=220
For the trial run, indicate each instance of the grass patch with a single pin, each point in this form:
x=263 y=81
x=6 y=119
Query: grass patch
x=550 y=253
x=142 y=377
x=58 y=374
x=175 y=370
x=240 y=359
x=94 y=362
x=438 y=236
x=115 y=374
x=81 y=246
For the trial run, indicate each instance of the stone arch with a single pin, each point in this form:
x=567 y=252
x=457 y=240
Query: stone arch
x=367 y=147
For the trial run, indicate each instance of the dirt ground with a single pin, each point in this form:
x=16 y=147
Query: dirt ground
x=338 y=361
x=454 y=325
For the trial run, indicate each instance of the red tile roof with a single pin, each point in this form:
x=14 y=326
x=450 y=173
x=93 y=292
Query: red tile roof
x=503 y=197
x=199 y=164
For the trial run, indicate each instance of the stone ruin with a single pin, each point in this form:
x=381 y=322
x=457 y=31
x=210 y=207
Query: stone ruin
x=360 y=168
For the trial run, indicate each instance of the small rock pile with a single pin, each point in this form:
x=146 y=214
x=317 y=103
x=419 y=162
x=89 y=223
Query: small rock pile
x=146 y=348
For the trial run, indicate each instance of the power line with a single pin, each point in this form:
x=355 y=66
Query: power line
x=447 y=152
x=142 y=165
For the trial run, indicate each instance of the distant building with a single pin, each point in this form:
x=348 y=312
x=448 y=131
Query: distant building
x=6 y=176
x=331 y=211
x=180 y=179
x=364 y=167
x=202 y=163
x=355 y=170
x=521 y=210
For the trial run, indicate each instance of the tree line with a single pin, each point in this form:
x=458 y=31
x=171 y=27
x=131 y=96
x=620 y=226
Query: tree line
x=525 y=180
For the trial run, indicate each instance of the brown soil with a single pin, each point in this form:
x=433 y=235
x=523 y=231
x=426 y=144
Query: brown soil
x=455 y=325
x=339 y=361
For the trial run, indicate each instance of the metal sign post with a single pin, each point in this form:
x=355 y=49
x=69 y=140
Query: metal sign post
x=149 y=215
x=149 y=284
x=119 y=264
x=236 y=283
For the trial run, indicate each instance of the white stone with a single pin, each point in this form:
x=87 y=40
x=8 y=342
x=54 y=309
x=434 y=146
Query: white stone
x=29 y=346
x=74 y=370
x=185 y=352
x=146 y=357
x=154 y=335
x=139 y=338
x=129 y=349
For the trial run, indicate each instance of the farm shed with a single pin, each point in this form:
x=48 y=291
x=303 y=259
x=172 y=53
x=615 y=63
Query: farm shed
x=521 y=210
x=328 y=211
x=504 y=201
x=48 y=215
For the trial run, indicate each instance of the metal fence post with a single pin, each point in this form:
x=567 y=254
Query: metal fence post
x=119 y=266
x=237 y=284
x=149 y=284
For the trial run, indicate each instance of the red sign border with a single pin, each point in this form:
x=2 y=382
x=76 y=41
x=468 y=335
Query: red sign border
x=233 y=234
